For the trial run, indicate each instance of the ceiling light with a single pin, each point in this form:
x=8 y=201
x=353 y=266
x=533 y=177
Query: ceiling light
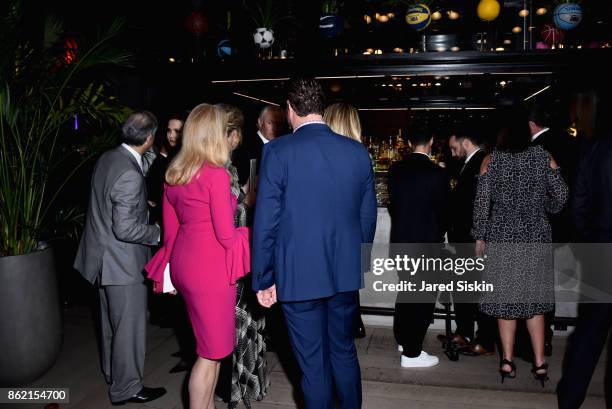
x=398 y=50
x=171 y=59
x=503 y=83
x=455 y=48
x=436 y=15
x=517 y=30
x=453 y=15
x=507 y=41
x=441 y=49
x=415 y=85
x=541 y=11
x=367 y=19
x=384 y=18
x=378 y=51
x=499 y=49
x=524 y=13
x=391 y=15
x=438 y=84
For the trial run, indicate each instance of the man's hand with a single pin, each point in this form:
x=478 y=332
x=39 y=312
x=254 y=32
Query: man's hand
x=267 y=298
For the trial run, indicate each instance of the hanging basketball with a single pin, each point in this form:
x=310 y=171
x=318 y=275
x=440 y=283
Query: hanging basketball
x=567 y=16
x=551 y=34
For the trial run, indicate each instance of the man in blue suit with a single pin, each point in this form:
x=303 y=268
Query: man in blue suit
x=315 y=206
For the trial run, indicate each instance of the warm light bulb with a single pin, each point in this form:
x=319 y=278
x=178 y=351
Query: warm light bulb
x=524 y=13
x=507 y=41
x=391 y=15
x=455 y=48
x=367 y=19
x=499 y=49
x=436 y=15
x=541 y=11
x=171 y=59
x=517 y=30
x=378 y=51
x=398 y=50
x=453 y=15
x=383 y=19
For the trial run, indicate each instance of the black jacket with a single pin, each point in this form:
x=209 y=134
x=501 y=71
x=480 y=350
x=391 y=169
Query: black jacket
x=419 y=193
x=591 y=202
x=463 y=196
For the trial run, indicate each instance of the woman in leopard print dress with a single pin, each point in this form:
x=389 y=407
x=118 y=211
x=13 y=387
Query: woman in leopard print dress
x=518 y=185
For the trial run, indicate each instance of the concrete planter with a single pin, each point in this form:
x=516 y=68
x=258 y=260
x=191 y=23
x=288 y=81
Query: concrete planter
x=30 y=319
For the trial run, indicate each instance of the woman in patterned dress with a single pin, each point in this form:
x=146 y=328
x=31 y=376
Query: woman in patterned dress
x=250 y=378
x=518 y=185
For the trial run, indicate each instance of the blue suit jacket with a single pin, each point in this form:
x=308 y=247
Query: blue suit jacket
x=315 y=206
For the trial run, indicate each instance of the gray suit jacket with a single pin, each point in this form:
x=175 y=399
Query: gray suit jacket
x=114 y=242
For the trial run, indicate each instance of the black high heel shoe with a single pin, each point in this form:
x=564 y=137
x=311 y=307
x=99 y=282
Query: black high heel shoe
x=540 y=376
x=507 y=374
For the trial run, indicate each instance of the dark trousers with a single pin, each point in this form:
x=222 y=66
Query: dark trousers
x=182 y=328
x=123 y=318
x=410 y=324
x=321 y=334
x=465 y=316
x=584 y=349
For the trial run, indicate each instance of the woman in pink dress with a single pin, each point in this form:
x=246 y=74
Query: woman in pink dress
x=203 y=252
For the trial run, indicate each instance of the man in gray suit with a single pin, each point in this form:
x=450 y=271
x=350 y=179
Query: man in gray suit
x=112 y=254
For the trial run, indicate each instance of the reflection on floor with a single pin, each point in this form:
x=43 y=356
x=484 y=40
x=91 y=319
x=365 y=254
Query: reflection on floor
x=470 y=383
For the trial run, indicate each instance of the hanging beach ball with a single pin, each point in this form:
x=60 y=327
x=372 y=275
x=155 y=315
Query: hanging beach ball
x=567 y=16
x=330 y=25
x=488 y=10
x=551 y=34
x=224 y=49
x=263 y=37
x=418 y=17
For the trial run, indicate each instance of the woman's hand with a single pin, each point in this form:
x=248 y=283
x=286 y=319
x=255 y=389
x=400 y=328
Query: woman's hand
x=480 y=248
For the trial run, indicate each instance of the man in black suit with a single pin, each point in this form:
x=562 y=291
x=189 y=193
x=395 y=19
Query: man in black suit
x=591 y=211
x=419 y=192
x=271 y=123
x=563 y=150
x=465 y=146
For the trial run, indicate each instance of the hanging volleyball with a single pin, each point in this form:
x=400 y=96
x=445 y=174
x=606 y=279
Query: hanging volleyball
x=567 y=16
x=488 y=10
x=418 y=16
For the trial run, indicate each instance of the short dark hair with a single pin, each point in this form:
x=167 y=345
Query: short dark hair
x=138 y=127
x=305 y=95
x=538 y=115
x=178 y=116
x=419 y=136
x=514 y=134
x=469 y=131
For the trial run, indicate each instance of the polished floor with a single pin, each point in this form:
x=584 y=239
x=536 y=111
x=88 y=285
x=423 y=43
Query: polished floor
x=470 y=383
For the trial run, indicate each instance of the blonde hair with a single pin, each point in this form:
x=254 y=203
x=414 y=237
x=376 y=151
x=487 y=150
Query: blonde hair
x=204 y=141
x=235 y=120
x=343 y=119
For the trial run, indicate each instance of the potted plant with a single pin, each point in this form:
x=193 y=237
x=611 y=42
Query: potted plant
x=266 y=14
x=42 y=90
x=331 y=23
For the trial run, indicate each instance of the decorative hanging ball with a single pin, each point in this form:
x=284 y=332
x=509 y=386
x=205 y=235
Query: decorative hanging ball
x=551 y=34
x=567 y=16
x=196 y=23
x=488 y=10
x=263 y=37
x=418 y=16
x=330 y=25
x=224 y=48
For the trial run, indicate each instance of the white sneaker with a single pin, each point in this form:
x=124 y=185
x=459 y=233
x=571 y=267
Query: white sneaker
x=400 y=348
x=422 y=361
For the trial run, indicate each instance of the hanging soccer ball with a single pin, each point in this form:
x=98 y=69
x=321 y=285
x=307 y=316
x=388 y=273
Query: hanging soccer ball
x=418 y=17
x=263 y=37
x=567 y=16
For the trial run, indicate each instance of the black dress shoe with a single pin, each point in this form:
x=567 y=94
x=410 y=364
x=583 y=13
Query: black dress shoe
x=182 y=366
x=145 y=395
